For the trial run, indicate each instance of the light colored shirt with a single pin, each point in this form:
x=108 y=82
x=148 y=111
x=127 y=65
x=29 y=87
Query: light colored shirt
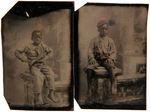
x=37 y=52
x=34 y=54
x=101 y=47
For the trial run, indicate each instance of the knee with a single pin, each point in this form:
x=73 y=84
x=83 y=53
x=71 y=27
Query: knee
x=49 y=77
x=50 y=72
x=47 y=71
x=35 y=71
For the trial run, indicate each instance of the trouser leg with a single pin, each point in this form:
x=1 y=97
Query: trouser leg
x=110 y=66
x=49 y=77
x=114 y=85
x=49 y=83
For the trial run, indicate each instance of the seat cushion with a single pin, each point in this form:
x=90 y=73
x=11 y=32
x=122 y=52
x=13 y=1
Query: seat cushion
x=100 y=70
x=117 y=71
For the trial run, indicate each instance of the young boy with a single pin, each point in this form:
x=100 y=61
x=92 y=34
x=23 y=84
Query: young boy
x=102 y=52
x=35 y=55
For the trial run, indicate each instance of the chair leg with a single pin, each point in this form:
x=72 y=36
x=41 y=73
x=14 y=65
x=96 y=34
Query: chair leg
x=89 y=82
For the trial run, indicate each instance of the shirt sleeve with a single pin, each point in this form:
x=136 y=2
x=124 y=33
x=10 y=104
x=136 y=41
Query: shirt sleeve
x=112 y=52
x=26 y=49
x=48 y=51
x=91 y=52
x=20 y=54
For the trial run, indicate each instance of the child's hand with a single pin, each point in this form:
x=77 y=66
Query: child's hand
x=92 y=62
x=45 y=71
x=109 y=61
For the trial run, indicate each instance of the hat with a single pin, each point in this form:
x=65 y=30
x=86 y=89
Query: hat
x=102 y=22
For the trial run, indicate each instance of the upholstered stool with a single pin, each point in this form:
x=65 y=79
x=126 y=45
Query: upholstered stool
x=28 y=88
x=105 y=86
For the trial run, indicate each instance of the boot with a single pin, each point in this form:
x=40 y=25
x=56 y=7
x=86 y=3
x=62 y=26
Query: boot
x=52 y=96
x=37 y=100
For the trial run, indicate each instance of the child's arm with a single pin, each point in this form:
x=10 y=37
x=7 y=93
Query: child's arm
x=112 y=52
x=48 y=52
x=20 y=55
x=91 y=57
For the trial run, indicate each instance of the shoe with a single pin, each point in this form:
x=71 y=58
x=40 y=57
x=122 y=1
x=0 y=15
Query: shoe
x=52 y=96
x=37 y=100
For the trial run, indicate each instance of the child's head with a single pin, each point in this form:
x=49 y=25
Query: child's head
x=36 y=37
x=103 y=27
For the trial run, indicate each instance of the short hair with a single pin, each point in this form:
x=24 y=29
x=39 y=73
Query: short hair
x=36 y=33
x=102 y=22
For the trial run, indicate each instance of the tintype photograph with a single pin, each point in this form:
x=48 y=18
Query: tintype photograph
x=36 y=41
x=111 y=56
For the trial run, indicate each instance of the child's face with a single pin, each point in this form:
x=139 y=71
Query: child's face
x=37 y=40
x=103 y=30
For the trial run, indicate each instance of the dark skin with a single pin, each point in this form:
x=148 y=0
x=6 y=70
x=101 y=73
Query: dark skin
x=103 y=30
